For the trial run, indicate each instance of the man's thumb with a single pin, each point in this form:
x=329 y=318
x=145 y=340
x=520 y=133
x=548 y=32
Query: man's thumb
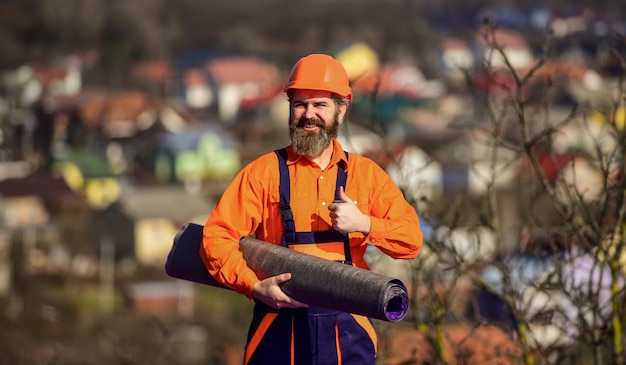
x=344 y=197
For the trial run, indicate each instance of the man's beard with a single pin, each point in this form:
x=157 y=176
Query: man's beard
x=312 y=144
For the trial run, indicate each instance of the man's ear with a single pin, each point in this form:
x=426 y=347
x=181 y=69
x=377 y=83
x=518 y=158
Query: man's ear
x=342 y=112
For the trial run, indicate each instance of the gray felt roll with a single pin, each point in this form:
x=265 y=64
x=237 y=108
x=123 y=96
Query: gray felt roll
x=315 y=281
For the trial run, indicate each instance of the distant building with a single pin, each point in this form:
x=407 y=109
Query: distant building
x=38 y=214
x=142 y=224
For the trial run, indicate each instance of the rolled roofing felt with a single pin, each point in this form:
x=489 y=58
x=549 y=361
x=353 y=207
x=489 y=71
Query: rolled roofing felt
x=315 y=281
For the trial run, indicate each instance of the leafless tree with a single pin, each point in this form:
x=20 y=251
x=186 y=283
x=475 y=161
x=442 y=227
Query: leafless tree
x=555 y=287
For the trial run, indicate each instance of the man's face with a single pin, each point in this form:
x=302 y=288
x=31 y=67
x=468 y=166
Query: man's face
x=314 y=121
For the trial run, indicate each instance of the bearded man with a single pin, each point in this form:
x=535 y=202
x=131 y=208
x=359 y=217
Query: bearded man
x=312 y=197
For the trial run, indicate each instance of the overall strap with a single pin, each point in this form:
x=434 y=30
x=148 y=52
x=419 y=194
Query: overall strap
x=290 y=235
x=342 y=179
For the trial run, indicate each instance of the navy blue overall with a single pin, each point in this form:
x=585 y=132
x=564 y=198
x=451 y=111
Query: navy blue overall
x=318 y=336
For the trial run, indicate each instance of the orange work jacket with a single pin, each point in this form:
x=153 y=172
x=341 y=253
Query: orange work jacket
x=250 y=205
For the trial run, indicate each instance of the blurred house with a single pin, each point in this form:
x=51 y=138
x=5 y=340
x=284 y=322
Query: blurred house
x=231 y=85
x=399 y=79
x=498 y=49
x=32 y=200
x=469 y=245
x=558 y=291
x=161 y=297
x=417 y=174
x=198 y=94
x=204 y=152
x=473 y=163
x=384 y=93
x=39 y=215
x=493 y=46
x=74 y=137
x=155 y=76
x=88 y=173
x=119 y=114
x=11 y=169
x=95 y=139
x=34 y=81
x=455 y=58
x=358 y=59
x=570 y=82
x=142 y=224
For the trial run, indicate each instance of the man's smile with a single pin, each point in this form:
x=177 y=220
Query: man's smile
x=310 y=127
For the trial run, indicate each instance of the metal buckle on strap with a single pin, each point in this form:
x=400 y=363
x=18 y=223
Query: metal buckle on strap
x=286 y=213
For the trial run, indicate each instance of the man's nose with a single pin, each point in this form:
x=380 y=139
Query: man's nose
x=309 y=112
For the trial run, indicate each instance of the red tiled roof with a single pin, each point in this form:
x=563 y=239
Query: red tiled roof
x=104 y=110
x=453 y=43
x=48 y=74
x=551 y=164
x=243 y=69
x=152 y=70
x=390 y=79
x=557 y=69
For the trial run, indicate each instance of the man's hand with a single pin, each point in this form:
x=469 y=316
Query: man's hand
x=268 y=291
x=346 y=216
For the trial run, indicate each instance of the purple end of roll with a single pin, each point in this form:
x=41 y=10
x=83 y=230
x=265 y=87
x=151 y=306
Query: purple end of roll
x=397 y=308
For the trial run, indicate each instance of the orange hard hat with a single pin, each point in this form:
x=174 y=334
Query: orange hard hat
x=320 y=72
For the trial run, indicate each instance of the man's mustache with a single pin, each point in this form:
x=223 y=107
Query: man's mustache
x=310 y=122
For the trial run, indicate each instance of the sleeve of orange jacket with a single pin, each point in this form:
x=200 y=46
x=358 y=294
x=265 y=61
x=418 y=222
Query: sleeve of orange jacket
x=395 y=227
x=236 y=215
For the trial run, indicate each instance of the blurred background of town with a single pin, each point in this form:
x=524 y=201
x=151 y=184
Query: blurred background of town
x=123 y=120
